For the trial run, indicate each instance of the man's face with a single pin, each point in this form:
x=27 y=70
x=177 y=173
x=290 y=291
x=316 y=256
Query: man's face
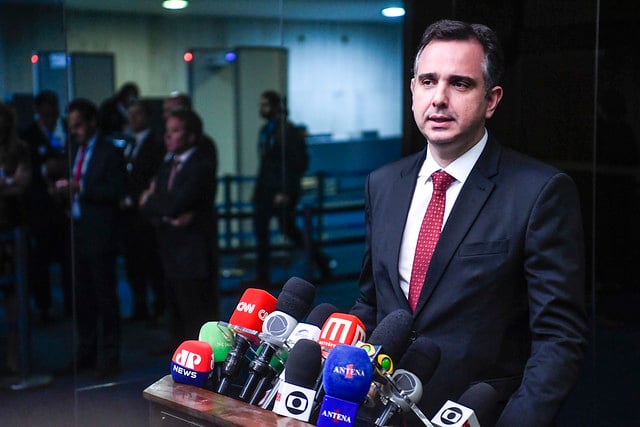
x=48 y=115
x=176 y=138
x=450 y=104
x=265 y=108
x=137 y=118
x=81 y=130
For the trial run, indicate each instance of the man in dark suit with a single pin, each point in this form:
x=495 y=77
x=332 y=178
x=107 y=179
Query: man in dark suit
x=180 y=204
x=49 y=225
x=503 y=292
x=143 y=154
x=283 y=162
x=96 y=188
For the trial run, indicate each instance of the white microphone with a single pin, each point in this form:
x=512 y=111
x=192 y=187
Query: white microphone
x=479 y=402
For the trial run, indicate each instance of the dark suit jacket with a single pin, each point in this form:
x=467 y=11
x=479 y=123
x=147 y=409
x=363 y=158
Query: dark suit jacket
x=503 y=297
x=187 y=252
x=144 y=166
x=103 y=188
x=283 y=159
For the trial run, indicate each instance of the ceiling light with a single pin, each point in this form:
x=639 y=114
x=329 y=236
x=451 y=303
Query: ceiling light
x=393 y=12
x=175 y=4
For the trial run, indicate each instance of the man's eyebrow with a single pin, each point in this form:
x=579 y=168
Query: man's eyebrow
x=427 y=76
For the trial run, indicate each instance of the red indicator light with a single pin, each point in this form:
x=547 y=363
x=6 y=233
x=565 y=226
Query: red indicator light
x=34 y=58
x=188 y=57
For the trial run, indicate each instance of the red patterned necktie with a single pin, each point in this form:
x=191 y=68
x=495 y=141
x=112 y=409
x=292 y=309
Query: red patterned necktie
x=77 y=172
x=429 y=235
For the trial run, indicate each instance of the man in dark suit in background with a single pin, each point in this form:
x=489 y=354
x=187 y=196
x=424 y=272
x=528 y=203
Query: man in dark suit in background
x=48 y=223
x=96 y=188
x=112 y=115
x=283 y=162
x=143 y=154
x=503 y=293
x=180 y=204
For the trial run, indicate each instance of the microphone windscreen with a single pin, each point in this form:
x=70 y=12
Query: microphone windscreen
x=484 y=400
x=347 y=373
x=192 y=363
x=296 y=297
x=421 y=358
x=219 y=337
x=303 y=364
x=341 y=328
x=320 y=313
x=393 y=333
x=254 y=306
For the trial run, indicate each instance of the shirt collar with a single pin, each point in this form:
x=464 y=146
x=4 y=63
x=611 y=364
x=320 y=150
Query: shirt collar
x=460 y=168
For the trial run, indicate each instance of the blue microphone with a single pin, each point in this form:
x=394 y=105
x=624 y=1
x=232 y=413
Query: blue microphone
x=347 y=375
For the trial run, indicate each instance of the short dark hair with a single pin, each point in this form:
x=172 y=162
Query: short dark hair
x=46 y=97
x=274 y=99
x=446 y=29
x=144 y=106
x=86 y=108
x=191 y=120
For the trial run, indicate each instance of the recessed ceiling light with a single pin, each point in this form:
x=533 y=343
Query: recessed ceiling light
x=175 y=4
x=393 y=12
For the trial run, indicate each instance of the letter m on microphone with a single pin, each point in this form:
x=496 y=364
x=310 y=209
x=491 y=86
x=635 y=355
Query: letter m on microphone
x=341 y=328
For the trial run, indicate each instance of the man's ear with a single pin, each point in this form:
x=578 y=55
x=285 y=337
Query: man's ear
x=493 y=99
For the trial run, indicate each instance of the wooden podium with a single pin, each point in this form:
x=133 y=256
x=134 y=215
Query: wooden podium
x=175 y=404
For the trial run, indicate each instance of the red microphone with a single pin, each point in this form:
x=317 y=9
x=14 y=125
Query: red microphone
x=192 y=363
x=340 y=328
x=246 y=320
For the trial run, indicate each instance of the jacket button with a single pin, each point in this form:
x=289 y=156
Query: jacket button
x=414 y=335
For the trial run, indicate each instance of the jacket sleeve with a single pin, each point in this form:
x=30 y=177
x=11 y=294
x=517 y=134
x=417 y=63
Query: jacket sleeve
x=554 y=267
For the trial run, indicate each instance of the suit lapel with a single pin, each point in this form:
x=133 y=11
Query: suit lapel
x=468 y=206
x=396 y=213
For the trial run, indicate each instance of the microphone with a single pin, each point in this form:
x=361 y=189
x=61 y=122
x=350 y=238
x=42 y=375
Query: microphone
x=311 y=328
x=388 y=341
x=340 y=328
x=221 y=339
x=246 y=321
x=192 y=363
x=404 y=391
x=393 y=333
x=307 y=330
x=347 y=374
x=293 y=303
x=478 y=403
x=295 y=394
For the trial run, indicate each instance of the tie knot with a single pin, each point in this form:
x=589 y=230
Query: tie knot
x=441 y=181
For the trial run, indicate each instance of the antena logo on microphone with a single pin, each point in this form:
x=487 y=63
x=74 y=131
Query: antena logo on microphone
x=348 y=372
x=451 y=415
x=262 y=314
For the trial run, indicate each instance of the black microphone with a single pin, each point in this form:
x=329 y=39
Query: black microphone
x=296 y=394
x=393 y=333
x=404 y=391
x=310 y=329
x=477 y=406
x=292 y=305
x=388 y=341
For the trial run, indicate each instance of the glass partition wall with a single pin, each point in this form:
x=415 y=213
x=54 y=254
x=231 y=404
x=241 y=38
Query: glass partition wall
x=570 y=99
